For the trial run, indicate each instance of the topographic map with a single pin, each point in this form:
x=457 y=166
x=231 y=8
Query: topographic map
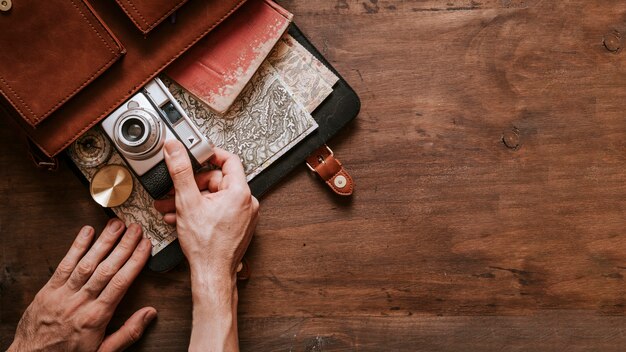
x=262 y=124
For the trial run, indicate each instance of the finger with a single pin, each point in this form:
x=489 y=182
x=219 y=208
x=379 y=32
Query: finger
x=68 y=263
x=180 y=170
x=116 y=288
x=130 y=332
x=231 y=166
x=250 y=234
x=94 y=256
x=165 y=205
x=105 y=270
x=170 y=218
x=209 y=180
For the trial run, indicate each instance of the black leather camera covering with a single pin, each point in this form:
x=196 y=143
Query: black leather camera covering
x=157 y=181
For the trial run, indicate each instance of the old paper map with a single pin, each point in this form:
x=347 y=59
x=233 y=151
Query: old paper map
x=307 y=57
x=263 y=123
x=309 y=79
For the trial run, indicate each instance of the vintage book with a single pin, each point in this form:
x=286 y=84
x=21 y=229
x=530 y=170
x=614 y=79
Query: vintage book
x=217 y=69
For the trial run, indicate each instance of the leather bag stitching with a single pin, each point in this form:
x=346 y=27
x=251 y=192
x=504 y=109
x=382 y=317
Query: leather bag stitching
x=35 y=119
x=154 y=23
x=144 y=82
x=134 y=8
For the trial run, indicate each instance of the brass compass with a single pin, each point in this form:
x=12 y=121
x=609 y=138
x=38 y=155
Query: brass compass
x=111 y=186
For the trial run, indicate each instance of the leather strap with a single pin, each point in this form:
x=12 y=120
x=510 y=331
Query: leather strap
x=323 y=162
x=39 y=158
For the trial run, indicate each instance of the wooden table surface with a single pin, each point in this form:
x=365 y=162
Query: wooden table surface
x=490 y=164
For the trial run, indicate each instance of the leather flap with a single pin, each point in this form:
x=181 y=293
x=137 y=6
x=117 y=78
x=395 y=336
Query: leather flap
x=145 y=58
x=49 y=51
x=147 y=14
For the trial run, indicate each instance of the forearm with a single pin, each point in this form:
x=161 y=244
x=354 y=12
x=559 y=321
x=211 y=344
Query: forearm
x=214 y=312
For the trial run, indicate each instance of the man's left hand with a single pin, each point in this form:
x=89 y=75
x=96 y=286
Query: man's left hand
x=72 y=310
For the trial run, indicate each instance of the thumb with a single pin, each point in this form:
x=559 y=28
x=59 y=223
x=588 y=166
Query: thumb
x=179 y=167
x=130 y=332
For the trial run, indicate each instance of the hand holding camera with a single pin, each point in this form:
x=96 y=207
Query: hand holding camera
x=215 y=216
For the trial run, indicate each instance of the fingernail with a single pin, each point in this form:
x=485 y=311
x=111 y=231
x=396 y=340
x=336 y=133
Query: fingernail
x=149 y=316
x=145 y=244
x=115 y=225
x=134 y=229
x=86 y=231
x=172 y=148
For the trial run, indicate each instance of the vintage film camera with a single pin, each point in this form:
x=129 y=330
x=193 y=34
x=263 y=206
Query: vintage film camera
x=139 y=129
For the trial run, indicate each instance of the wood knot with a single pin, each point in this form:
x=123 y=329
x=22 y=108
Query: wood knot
x=511 y=139
x=612 y=42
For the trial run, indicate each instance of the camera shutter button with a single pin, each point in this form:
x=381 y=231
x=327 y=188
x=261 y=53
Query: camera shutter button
x=5 y=5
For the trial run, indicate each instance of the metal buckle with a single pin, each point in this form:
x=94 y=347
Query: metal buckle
x=320 y=157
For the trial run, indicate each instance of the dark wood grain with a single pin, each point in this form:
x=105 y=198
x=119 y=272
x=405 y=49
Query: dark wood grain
x=490 y=203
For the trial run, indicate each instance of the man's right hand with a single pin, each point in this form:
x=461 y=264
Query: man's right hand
x=214 y=212
x=215 y=216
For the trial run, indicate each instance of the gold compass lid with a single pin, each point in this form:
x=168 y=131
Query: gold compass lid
x=111 y=186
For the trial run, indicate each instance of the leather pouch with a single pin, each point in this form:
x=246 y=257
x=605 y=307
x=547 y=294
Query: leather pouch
x=65 y=117
x=50 y=51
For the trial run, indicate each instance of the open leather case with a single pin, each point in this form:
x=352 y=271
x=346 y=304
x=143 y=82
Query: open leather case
x=67 y=64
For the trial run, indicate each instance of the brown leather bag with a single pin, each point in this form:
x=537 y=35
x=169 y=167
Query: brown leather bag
x=66 y=64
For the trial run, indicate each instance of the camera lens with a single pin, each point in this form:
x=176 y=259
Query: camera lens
x=138 y=133
x=133 y=129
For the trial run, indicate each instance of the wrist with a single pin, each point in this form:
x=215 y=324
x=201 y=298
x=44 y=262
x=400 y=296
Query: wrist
x=212 y=284
x=202 y=272
x=214 y=313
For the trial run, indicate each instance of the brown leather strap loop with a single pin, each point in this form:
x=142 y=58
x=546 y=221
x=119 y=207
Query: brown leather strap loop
x=323 y=162
x=39 y=158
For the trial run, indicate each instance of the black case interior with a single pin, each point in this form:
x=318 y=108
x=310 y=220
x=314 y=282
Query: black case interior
x=332 y=115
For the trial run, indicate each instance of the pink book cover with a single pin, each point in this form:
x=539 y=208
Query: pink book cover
x=218 y=67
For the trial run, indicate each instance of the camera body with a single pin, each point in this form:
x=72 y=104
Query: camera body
x=140 y=127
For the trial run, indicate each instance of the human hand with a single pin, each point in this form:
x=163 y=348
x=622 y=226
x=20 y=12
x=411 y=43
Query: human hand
x=72 y=310
x=214 y=213
x=215 y=216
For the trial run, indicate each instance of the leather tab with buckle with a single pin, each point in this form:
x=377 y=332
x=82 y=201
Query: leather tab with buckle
x=323 y=162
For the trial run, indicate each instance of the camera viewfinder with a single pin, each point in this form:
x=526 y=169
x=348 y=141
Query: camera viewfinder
x=171 y=113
